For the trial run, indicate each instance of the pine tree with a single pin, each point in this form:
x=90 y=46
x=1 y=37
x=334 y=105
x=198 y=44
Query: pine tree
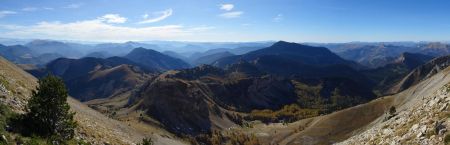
x=49 y=113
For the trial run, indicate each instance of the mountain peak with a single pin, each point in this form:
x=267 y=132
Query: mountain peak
x=155 y=59
x=140 y=49
x=285 y=43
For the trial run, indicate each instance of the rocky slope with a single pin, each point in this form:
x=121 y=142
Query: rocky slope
x=422 y=116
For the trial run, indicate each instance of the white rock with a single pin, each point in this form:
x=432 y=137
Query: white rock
x=423 y=129
x=4 y=138
x=414 y=127
x=419 y=134
x=387 y=131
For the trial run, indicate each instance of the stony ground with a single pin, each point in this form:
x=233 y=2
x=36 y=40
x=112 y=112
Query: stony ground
x=426 y=121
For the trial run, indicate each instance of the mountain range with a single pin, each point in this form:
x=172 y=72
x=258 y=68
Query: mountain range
x=283 y=93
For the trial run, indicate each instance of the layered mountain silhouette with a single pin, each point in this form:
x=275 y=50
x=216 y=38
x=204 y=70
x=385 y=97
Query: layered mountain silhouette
x=208 y=59
x=435 y=49
x=71 y=50
x=374 y=56
x=20 y=54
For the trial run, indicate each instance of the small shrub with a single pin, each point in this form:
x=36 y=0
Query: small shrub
x=146 y=141
x=392 y=111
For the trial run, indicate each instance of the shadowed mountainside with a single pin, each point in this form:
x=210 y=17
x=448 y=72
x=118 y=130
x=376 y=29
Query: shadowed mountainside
x=421 y=73
x=154 y=59
x=92 y=78
x=387 y=76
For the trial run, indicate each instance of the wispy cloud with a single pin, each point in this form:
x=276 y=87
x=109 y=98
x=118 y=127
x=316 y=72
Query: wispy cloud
x=159 y=16
x=5 y=13
x=278 y=18
x=229 y=15
x=100 y=30
x=200 y=28
x=73 y=6
x=29 y=9
x=32 y=9
x=226 y=7
x=112 y=18
x=246 y=24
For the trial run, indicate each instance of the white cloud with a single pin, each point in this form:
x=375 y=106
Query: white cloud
x=226 y=7
x=73 y=6
x=112 y=18
x=100 y=30
x=278 y=18
x=160 y=16
x=230 y=15
x=5 y=13
x=145 y=16
x=32 y=9
x=201 y=28
x=48 y=8
x=29 y=9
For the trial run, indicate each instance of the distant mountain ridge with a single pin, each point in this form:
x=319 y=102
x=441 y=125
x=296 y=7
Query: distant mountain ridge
x=47 y=46
x=155 y=59
x=375 y=56
x=20 y=54
x=295 y=52
x=209 y=59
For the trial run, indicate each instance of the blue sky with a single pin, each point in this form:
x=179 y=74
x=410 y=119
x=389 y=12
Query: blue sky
x=232 y=20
